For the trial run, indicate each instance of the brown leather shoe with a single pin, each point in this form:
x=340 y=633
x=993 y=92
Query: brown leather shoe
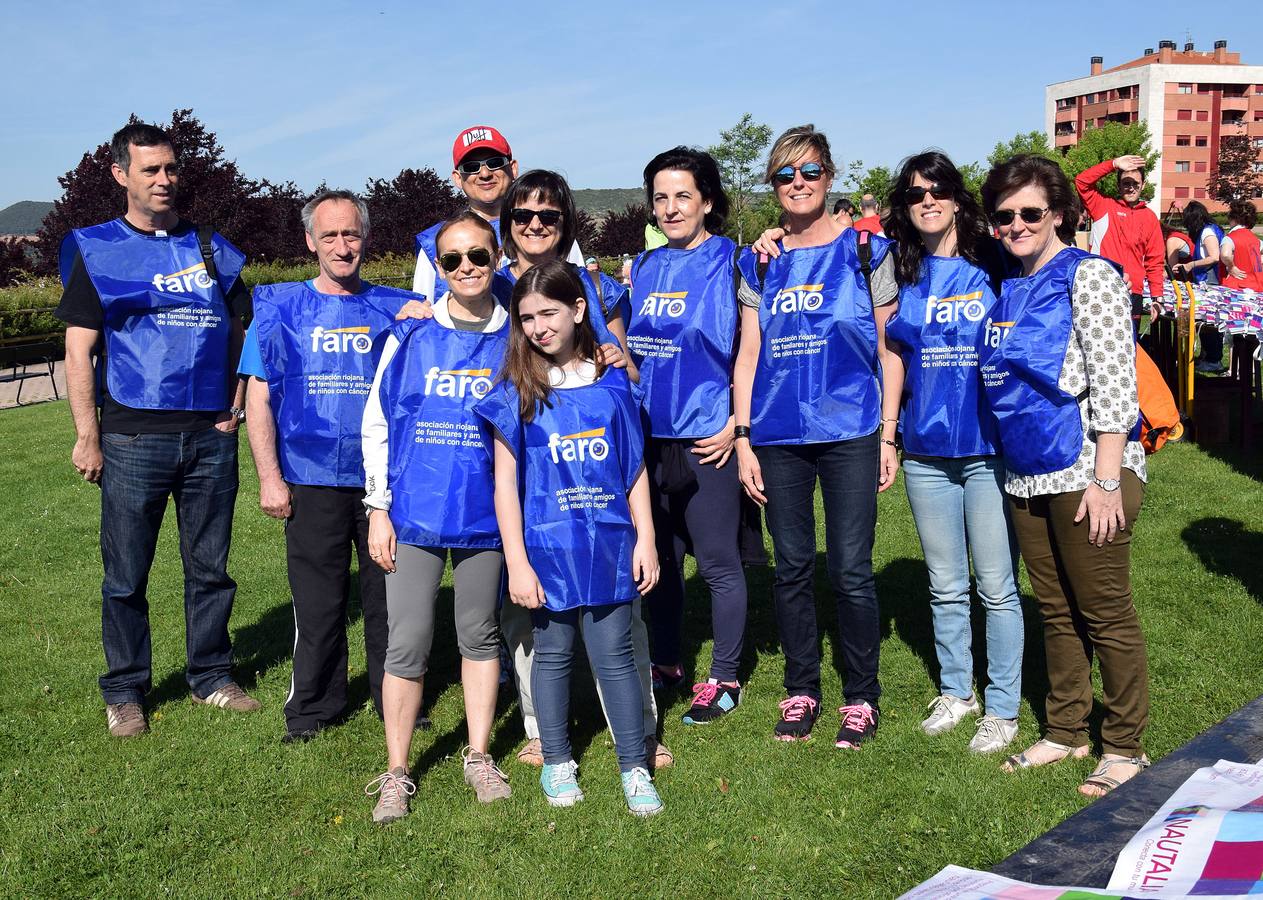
x=126 y=719
x=231 y=696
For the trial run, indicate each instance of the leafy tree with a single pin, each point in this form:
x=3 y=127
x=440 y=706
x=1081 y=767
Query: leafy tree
x=622 y=231
x=974 y=174
x=13 y=260
x=1234 y=177
x=412 y=200
x=878 y=181
x=1110 y=141
x=738 y=153
x=1034 y=143
x=212 y=190
x=588 y=231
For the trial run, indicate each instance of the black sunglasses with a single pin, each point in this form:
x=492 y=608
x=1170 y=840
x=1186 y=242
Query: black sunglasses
x=1031 y=215
x=547 y=217
x=914 y=195
x=809 y=171
x=479 y=256
x=473 y=166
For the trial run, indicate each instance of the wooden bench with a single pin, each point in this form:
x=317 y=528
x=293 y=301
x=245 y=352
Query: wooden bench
x=18 y=359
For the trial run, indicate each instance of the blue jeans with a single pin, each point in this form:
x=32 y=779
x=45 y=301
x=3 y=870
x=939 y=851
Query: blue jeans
x=607 y=636
x=960 y=510
x=847 y=471
x=199 y=470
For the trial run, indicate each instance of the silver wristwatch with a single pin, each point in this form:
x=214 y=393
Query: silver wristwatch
x=237 y=413
x=1109 y=485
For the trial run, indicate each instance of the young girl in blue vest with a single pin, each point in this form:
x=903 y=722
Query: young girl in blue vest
x=572 y=501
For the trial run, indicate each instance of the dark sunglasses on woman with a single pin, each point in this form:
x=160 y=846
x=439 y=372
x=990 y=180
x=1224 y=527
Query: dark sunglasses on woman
x=915 y=195
x=547 y=217
x=809 y=171
x=479 y=256
x=1031 y=215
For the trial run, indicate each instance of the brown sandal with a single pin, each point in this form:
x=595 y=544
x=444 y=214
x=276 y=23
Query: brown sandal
x=1105 y=782
x=1022 y=761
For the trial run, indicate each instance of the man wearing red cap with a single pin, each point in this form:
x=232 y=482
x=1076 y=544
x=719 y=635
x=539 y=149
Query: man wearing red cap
x=482 y=167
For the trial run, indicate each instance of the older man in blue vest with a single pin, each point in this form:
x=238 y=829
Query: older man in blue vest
x=158 y=303
x=311 y=352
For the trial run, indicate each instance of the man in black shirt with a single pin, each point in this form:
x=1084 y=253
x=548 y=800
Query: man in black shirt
x=162 y=305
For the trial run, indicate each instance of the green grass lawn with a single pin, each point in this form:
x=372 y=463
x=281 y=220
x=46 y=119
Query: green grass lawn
x=212 y=804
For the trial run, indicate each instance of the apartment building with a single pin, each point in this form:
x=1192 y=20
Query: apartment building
x=1190 y=99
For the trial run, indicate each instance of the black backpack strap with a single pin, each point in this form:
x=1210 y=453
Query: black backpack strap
x=204 y=235
x=865 y=250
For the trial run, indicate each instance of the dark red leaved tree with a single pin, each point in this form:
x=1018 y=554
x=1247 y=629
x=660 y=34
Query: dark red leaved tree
x=410 y=202
x=623 y=232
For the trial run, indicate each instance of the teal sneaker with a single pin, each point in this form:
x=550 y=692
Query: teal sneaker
x=642 y=796
x=560 y=783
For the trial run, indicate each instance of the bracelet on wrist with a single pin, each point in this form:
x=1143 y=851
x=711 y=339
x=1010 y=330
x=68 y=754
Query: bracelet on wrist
x=890 y=443
x=741 y=431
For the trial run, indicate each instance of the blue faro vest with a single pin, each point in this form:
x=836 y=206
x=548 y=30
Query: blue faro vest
x=577 y=459
x=937 y=329
x=1022 y=352
x=320 y=352
x=612 y=294
x=1204 y=274
x=818 y=378
x=681 y=335
x=166 y=320
x=424 y=242
x=439 y=464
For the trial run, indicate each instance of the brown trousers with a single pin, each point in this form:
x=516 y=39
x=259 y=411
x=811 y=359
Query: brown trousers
x=1085 y=601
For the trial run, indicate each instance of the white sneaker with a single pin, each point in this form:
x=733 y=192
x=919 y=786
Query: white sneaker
x=946 y=712
x=993 y=734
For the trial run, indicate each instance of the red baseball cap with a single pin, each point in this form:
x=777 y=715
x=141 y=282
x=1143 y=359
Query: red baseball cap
x=477 y=137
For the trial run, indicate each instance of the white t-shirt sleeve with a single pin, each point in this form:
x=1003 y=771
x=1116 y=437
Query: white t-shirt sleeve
x=1225 y=246
x=375 y=436
x=423 y=277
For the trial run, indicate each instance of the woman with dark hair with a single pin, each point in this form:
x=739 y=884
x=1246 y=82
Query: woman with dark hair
x=812 y=402
x=540 y=218
x=1058 y=367
x=1239 y=250
x=542 y=221
x=572 y=502
x=682 y=335
x=1205 y=268
x=948 y=269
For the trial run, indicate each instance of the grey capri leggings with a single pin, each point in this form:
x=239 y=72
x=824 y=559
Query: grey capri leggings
x=411 y=594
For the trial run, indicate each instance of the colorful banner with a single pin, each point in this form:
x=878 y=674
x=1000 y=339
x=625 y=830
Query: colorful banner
x=1207 y=839
x=955 y=883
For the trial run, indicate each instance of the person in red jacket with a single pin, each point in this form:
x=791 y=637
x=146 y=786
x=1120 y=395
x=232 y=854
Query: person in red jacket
x=1239 y=251
x=1125 y=230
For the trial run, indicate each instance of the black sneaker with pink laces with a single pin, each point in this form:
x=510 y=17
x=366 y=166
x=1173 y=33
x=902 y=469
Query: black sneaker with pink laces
x=798 y=715
x=859 y=724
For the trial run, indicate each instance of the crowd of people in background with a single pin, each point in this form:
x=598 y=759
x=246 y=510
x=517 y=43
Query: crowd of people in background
x=565 y=438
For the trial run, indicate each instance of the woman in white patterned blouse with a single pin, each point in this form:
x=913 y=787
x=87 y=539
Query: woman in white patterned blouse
x=1058 y=365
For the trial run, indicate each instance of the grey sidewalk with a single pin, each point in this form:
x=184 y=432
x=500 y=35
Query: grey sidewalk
x=34 y=390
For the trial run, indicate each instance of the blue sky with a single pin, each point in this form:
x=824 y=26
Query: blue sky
x=344 y=92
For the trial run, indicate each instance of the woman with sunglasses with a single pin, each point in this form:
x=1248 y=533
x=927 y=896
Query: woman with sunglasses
x=813 y=403
x=682 y=333
x=948 y=268
x=1204 y=268
x=1058 y=368
x=429 y=471
x=541 y=219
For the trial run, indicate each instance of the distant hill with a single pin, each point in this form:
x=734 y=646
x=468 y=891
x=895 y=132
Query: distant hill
x=23 y=217
x=597 y=202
